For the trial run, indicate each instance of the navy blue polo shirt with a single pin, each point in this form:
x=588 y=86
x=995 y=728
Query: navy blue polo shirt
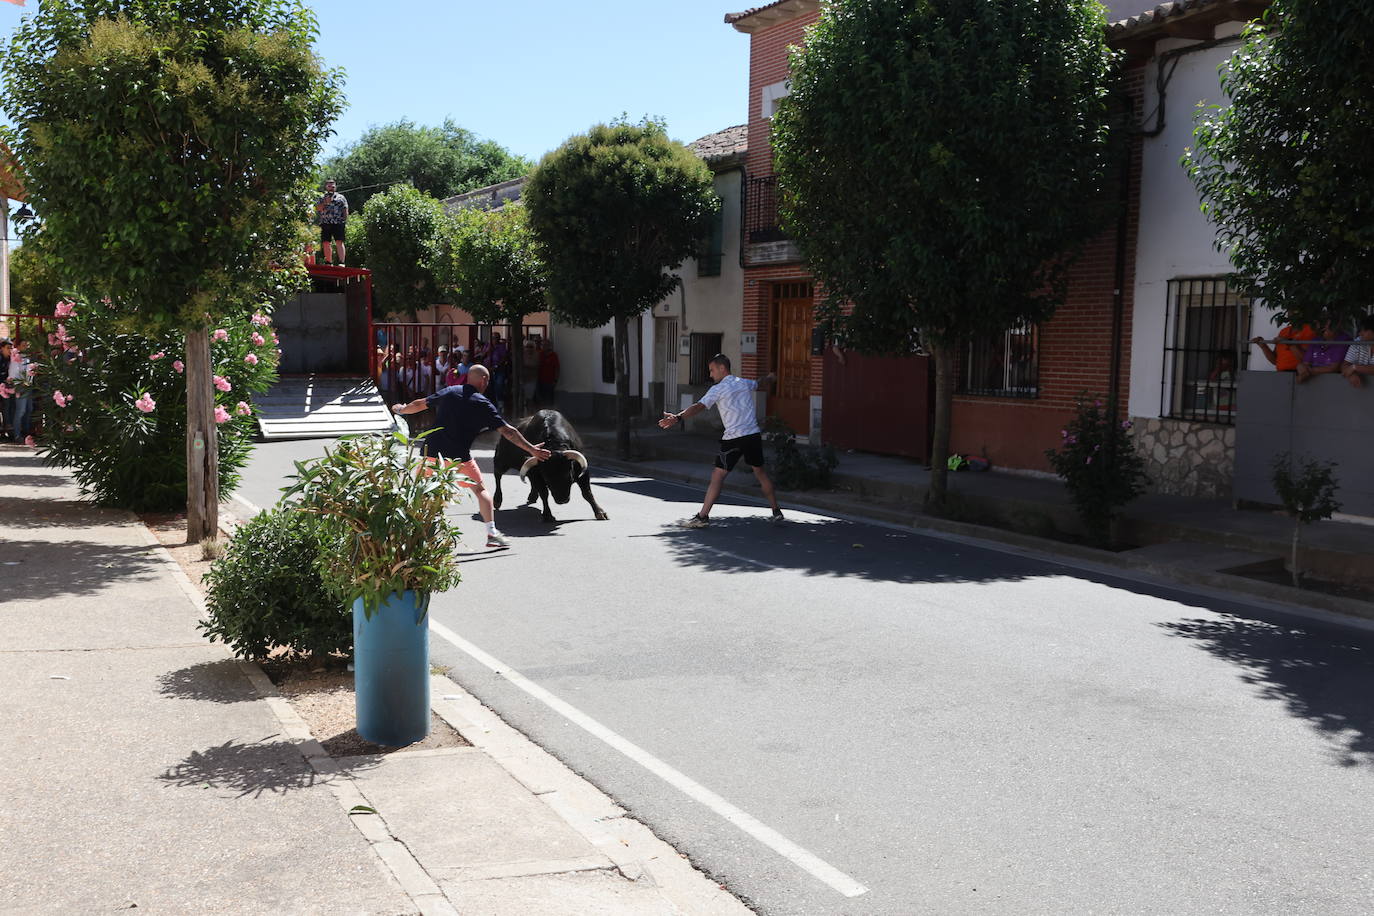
x=460 y=413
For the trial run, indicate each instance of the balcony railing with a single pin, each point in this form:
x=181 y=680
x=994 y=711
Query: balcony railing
x=761 y=221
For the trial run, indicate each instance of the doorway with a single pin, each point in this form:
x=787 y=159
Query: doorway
x=792 y=315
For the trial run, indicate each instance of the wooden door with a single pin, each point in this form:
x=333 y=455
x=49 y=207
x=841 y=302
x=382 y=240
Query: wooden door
x=793 y=315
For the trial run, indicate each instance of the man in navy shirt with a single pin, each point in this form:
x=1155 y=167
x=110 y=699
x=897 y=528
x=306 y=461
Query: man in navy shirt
x=461 y=412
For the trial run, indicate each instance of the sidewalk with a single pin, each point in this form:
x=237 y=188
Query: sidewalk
x=152 y=772
x=1191 y=541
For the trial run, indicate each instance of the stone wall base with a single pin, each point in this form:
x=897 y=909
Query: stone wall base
x=1184 y=458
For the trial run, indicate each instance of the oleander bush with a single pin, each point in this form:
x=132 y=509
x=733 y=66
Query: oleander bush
x=114 y=403
x=1100 y=466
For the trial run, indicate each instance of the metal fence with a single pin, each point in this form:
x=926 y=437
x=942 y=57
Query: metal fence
x=404 y=359
x=1206 y=326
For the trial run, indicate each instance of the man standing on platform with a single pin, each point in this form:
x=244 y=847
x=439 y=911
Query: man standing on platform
x=333 y=212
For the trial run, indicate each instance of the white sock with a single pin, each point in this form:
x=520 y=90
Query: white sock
x=491 y=528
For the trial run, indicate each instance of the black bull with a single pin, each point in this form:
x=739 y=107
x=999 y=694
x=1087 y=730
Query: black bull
x=552 y=477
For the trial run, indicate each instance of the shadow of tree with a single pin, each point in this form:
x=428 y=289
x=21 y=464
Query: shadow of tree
x=215 y=682
x=840 y=549
x=50 y=569
x=251 y=769
x=25 y=512
x=33 y=480
x=1320 y=674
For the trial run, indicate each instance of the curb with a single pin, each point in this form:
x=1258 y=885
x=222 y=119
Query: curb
x=1046 y=548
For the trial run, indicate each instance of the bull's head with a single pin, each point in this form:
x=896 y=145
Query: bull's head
x=560 y=472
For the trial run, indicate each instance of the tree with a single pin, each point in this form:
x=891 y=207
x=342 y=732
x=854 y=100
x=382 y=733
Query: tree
x=441 y=161
x=400 y=235
x=616 y=209
x=34 y=285
x=491 y=266
x=1287 y=170
x=166 y=146
x=941 y=162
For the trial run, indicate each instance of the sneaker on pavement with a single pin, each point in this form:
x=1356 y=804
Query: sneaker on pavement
x=695 y=521
x=777 y=518
x=497 y=540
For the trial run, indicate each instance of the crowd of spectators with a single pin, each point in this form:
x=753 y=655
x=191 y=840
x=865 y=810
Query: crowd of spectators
x=415 y=371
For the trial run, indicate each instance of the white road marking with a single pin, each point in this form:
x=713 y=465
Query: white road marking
x=808 y=862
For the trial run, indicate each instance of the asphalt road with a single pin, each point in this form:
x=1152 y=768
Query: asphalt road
x=840 y=717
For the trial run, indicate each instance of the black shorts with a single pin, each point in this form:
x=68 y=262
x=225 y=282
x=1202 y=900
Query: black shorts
x=329 y=231
x=749 y=447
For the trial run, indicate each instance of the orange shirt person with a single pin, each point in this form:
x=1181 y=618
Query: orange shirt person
x=1287 y=357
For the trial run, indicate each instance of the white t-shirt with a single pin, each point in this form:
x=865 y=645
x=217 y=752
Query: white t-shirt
x=1361 y=353
x=734 y=398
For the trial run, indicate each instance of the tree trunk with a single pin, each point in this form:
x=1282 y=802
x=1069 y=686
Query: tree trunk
x=622 y=387
x=939 y=445
x=1297 y=536
x=202 y=443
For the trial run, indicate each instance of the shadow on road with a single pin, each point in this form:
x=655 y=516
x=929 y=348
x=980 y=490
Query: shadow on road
x=1323 y=676
x=22 y=512
x=218 y=682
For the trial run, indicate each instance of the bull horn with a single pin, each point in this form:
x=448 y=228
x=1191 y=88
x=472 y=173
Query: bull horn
x=525 y=468
x=576 y=456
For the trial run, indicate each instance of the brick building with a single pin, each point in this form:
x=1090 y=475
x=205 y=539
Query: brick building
x=1016 y=389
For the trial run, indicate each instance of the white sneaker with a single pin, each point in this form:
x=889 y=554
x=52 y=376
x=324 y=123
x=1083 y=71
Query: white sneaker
x=497 y=539
x=777 y=518
x=695 y=521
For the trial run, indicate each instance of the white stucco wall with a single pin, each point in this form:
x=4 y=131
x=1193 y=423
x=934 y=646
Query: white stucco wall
x=1175 y=239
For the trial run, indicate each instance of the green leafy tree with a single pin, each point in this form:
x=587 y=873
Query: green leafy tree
x=167 y=146
x=400 y=234
x=491 y=266
x=1307 y=488
x=941 y=163
x=1286 y=171
x=616 y=210
x=34 y=284
x=441 y=161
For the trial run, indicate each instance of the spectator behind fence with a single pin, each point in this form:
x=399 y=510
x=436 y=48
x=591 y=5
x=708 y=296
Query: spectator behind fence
x=548 y=373
x=1326 y=357
x=1285 y=357
x=1359 y=358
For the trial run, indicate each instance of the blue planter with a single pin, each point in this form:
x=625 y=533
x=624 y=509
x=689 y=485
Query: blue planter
x=391 y=669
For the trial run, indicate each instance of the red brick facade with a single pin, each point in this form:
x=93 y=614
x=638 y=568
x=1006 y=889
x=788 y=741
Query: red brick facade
x=1075 y=346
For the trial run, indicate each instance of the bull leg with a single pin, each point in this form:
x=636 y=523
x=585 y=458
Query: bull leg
x=534 y=495
x=496 y=501
x=544 y=497
x=586 y=486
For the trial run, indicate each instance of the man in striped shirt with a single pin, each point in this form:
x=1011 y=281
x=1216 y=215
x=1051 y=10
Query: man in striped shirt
x=1359 y=358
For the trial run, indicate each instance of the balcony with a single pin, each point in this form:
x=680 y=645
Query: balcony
x=765 y=242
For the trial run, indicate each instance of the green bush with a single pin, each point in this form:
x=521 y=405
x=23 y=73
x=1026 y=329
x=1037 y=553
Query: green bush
x=114 y=403
x=797 y=467
x=1100 y=466
x=267 y=590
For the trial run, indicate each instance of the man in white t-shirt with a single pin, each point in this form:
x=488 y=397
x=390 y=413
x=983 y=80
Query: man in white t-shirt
x=734 y=398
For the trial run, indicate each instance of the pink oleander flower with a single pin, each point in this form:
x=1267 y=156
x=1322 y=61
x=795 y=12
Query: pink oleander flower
x=64 y=308
x=221 y=334
x=28 y=440
x=243 y=409
x=275 y=338
x=156 y=356
x=258 y=339
x=54 y=340
x=1125 y=424
x=260 y=319
x=1088 y=460
x=146 y=404
x=222 y=383
x=251 y=359
x=33 y=370
x=60 y=399
x=178 y=365
x=221 y=415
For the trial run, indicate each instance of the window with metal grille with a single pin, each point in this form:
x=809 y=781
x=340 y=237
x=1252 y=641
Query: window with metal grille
x=608 y=358
x=1206 y=326
x=1004 y=365
x=703 y=347
x=712 y=245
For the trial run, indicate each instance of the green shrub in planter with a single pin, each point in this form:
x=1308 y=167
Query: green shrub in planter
x=267 y=590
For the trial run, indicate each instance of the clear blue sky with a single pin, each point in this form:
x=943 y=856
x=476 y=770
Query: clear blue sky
x=529 y=73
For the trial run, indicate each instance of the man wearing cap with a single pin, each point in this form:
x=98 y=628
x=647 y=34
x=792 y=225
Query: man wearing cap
x=441 y=364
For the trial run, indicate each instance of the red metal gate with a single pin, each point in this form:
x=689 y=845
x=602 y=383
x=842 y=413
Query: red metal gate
x=877 y=404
